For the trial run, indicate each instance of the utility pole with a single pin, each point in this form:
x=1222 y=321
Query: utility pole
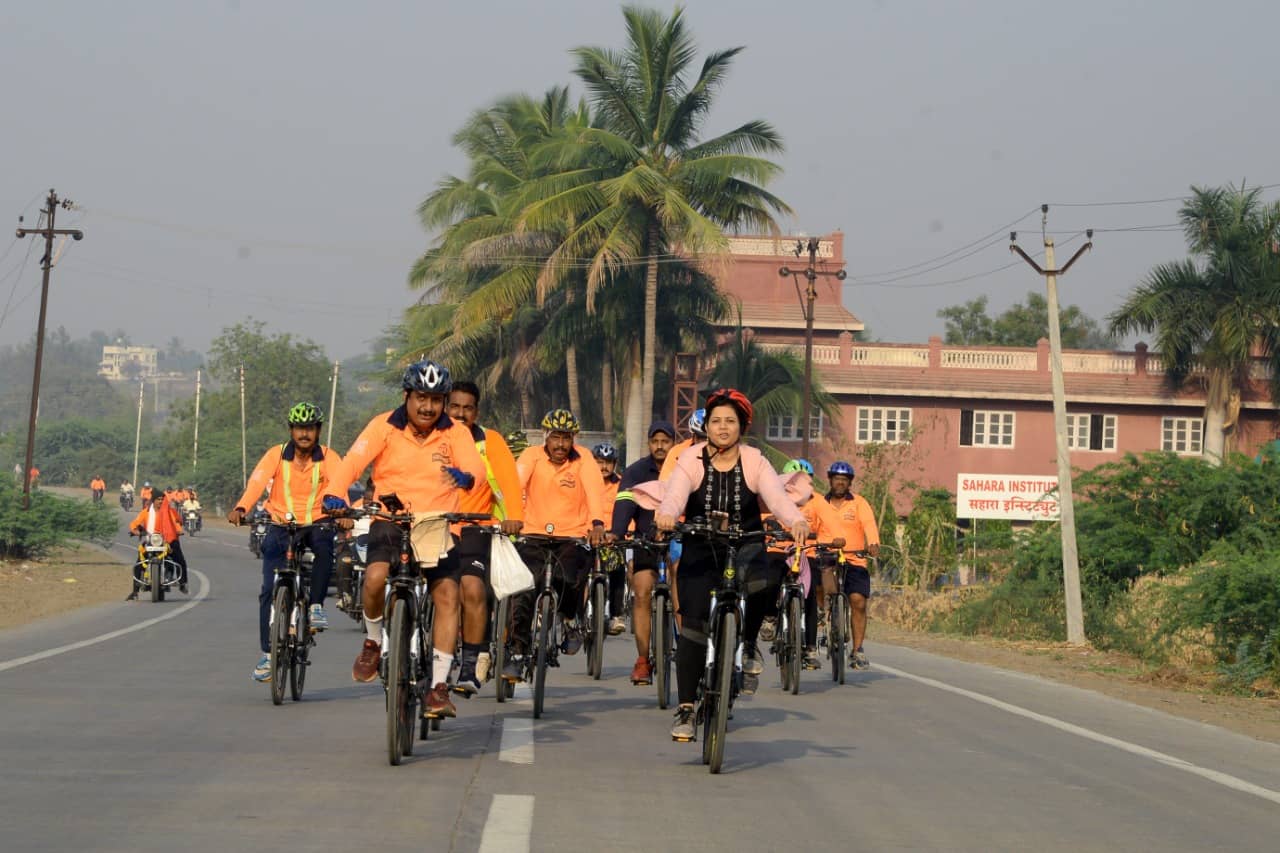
x=195 y=438
x=810 y=274
x=333 y=401
x=1066 y=498
x=244 y=457
x=137 y=433
x=52 y=203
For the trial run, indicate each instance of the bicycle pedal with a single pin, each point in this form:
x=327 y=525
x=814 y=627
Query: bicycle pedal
x=684 y=739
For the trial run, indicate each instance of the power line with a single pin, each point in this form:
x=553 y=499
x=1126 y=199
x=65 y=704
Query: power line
x=1128 y=203
x=983 y=238
x=4 y=315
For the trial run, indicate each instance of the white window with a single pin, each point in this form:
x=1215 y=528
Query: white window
x=1091 y=432
x=890 y=426
x=986 y=429
x=787 y=427
x=1182 y=435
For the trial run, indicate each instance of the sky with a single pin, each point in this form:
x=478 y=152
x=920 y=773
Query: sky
x=264 y=160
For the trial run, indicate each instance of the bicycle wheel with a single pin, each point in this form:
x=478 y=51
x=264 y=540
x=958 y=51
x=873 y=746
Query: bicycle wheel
x=281 y=607
x=837 y=645
x=794 y=641
x=660 y=642
x=499 y=656
x=727 y=645
x=399 y=685
x=544 y=616
x=155 y=573
x=596 y=632
x=300 y=652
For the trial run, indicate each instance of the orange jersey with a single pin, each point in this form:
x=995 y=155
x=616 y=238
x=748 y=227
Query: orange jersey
x=565 y=499
x=669 y=464
x=504 y=501
x=167 y=520
x=298 y=485
x=611 y=491
x=857 y=526
x=97 y=484
x=412 y=465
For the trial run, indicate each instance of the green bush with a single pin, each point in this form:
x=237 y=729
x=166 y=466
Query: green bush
x=51 y=521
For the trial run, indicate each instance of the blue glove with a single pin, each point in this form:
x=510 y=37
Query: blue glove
x=461 y=478
x=333 y=502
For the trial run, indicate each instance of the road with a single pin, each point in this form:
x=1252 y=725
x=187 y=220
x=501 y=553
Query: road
x=157 y=739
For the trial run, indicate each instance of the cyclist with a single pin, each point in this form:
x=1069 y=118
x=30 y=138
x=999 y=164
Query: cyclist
x=99 y=488
x=499 y=494
x=423 y=457
x=160 y=516
x=564 y=496
x=697 y=430
x=300 y=472
x=606 y=456
x=825 y=525
x=517 y=442
x=644 y=567
x=145 y=493
x=859 y=531
x=721 y=475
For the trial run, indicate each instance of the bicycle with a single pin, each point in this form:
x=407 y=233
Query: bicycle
x=719 y=685
x=594 y=619
x=662 y=619
x=788 y=644
x=838 y=631
x=290 y=631
x=545 y=649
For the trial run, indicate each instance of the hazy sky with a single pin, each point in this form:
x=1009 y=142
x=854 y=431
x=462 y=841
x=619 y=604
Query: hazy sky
x=265 y=159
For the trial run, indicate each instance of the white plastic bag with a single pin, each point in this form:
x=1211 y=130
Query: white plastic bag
x=507 y=572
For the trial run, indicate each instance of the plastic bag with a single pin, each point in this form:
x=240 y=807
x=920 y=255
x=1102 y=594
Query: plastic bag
x=507 y=572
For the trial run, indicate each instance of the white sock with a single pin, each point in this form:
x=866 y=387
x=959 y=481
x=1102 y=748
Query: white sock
x=441 y=663
x=373 y=629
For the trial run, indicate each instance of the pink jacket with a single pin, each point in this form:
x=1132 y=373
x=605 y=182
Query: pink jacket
x=756 y=470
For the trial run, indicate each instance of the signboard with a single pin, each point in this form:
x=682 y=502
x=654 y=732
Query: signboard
x=1020 y=497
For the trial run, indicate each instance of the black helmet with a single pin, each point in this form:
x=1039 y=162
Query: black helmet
x=428 y=377
x=606 y=451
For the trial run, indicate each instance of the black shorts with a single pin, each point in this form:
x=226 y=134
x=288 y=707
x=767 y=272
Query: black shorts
x=857 y=579
x=643 y=560
x=473 y=552
x=384 y=547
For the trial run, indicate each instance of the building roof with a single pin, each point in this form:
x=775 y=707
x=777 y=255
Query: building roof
x=758 y=315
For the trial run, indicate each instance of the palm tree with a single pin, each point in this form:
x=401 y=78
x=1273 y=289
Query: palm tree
x=642 y=189
x=1213 y=310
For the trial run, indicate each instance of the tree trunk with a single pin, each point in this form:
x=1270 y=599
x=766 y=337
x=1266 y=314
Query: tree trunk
x=1217 y=397
x=526 y=403
x=649 y=371
x=636 y=446
x=571 y=370
x=606 y=392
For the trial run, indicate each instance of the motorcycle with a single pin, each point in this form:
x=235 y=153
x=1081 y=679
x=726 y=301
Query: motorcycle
x=154 y=571
x=259 y=521
x=126 y=501
x=191 y=519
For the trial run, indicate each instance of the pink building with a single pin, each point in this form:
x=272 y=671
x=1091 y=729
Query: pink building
x=973 y=409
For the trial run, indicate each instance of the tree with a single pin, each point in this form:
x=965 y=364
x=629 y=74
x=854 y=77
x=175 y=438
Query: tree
x=1215 y=309
x=1021 y=325
x=968 y=323
x=642 y=188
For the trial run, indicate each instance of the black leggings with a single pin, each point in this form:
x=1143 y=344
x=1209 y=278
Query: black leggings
x=568 y=579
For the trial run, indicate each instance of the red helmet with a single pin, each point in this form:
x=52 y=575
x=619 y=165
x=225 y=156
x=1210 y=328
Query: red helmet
x=734 y=398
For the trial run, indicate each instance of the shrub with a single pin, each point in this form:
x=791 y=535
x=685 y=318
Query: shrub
x=51 y=521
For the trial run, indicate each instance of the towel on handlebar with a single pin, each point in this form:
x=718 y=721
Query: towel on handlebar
x=430 y=538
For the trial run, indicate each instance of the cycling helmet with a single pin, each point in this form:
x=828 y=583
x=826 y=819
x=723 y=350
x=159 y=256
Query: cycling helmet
x=798 y=465
x=560 y=420
x=517 y=440
x=606 y=451
x=840 y=468
x=428 y=377
x=698 y=423
x=734 y=398
x=306 y=414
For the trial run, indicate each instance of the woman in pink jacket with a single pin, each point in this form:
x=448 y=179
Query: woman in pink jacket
x=720 y=475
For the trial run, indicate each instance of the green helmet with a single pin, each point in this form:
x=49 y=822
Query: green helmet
x=517 y=441
x=306 y=414
x=798 y=465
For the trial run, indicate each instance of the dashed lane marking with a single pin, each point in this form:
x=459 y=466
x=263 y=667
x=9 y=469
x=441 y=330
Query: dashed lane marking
x=509 y=826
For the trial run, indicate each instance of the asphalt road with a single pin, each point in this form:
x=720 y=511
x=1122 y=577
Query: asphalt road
x=157 y=739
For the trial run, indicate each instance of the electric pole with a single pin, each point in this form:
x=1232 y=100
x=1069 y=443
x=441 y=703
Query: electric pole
x=810 y=274
x=333 y=401
x=1066 y=498
x=52 y=203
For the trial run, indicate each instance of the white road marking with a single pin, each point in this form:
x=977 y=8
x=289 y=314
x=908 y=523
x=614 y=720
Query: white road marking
x=201 y=595
x=509 y=826
x=517 y=740
x=1224 y=779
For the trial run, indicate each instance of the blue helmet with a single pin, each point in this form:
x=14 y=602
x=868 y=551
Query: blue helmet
x=606 y=451
x=841 y=468
x=427 y=376
x=698 y=423
x=798 y=465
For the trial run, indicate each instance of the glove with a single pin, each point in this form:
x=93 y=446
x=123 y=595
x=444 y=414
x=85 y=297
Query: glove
x=332 y=503
x=461 y=478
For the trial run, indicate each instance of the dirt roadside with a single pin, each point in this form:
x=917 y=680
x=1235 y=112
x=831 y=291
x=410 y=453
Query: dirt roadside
x=70 y=578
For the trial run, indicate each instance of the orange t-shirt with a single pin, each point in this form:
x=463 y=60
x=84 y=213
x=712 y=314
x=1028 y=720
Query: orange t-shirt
x=857 y=525
x=562 y=499
x=168 y=521
x=411 y=465
x=298 y=485
x=669 y=464
x=505 y=503
x=98 y=484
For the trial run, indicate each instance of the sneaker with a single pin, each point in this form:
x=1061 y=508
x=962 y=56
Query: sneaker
x=133 y=596
x=468 y=684
x=769 y=629
x=572 y=642
x=438 y=703
x=514 y=669
x=616 y=626
x=860 y=660
x=683 y=730
x=366 y=666
x=751 y=663
x=319 y=619
x=182 y=588
x=811 y=659
x=262 y=672
x=642 y=672
x=483 y=662
x=750 y=684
